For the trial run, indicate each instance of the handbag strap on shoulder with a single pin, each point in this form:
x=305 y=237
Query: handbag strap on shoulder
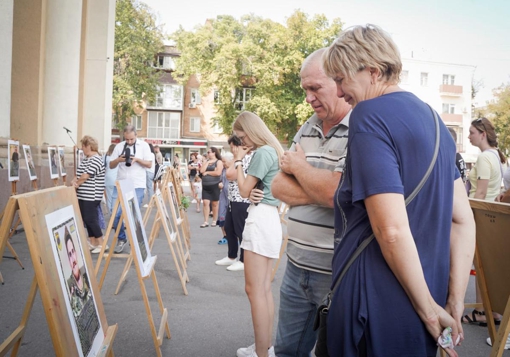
x=408 y=200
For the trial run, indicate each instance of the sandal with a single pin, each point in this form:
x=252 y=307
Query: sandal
x=204 y=225
x=466 y=319
x=213 y=225
x=223 y=241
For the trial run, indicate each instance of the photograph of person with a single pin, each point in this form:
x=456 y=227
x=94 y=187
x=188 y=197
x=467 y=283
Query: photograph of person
x=52 y=157
x=61 y=161
x=13 y=163
x=79 y=157
x=30 y=162
x=74 y=281
x=138 y=230
x=174 y=201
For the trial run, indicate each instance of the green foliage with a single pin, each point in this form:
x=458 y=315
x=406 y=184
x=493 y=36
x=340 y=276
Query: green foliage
x=185 y=202
x=500 y=116
x=266 y=56
x=137 y=41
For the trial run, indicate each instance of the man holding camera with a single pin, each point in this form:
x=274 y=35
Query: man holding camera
x=133 y=157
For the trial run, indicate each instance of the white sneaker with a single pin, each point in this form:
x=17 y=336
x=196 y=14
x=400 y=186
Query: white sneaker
x=97 y=250
x=507 y=344
x=225 y=261
x=194 y=201
x=237 y=266
x=250 y=352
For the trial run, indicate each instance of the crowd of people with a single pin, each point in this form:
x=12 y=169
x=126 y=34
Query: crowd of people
x=391 y=241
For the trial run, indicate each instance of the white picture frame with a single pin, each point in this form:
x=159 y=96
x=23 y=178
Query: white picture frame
x=29 y=160
x=13 y=160
x=80 y=302
x=53 y=162
x=135 y=227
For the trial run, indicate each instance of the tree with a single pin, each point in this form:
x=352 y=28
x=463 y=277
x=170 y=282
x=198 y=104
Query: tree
x=500 y=116
x=137 y=42
x=229 y=55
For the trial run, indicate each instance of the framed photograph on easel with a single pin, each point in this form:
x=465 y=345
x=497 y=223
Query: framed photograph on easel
x=30 y=162
x=61 y=161
x=13 y=162
x=173 y=199
x=135 y=226
x=74 y=281
x=53 y=162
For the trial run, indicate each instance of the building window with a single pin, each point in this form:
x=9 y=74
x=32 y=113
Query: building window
x=216 y=96
x=194 y=124
x=163 y=125
x=169 y=97
x=243 y=96
x=448 y=108
x=136 y=121
x=404 y=77
x=195 y=97
x=424 y=79
x=165 y=62
x=449 y=79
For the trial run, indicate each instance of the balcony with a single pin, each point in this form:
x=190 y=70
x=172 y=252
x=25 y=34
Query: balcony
x=449 y=90
x=451 y=118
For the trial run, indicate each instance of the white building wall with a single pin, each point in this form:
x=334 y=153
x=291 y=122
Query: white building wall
x=430 y=93
x=61 y=69
x=6 y=21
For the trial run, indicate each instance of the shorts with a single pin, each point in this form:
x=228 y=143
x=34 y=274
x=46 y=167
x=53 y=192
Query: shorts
x=263 y=231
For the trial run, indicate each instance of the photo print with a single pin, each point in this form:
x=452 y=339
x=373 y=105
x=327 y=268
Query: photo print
x=135 y=226
x=61 y=161
x=173 y=201
x=53 y=160
x=30 y=162
x=74 y=281
x=13 y=162
x=167 y=221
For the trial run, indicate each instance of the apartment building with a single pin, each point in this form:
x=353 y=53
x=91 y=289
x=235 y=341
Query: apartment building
x=446 y=87
x=179 y=120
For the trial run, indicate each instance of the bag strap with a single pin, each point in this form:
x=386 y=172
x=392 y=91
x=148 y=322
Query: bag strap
x=408 y=200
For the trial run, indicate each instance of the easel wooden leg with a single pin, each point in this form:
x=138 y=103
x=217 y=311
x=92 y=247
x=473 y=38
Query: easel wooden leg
x=154 y=333
x=106 y=348
x=498 y=346
x=124 y=272
x=15 y=255
x=5 y=228
x=14 y=340
x=164 y=311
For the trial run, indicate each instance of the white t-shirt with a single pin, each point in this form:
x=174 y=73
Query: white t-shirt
x=135 y=172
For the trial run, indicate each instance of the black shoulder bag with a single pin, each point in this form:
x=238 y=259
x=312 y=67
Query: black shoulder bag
x=320 y=323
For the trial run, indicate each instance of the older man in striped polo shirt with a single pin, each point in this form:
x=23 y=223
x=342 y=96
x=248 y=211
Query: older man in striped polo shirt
x=311 y=171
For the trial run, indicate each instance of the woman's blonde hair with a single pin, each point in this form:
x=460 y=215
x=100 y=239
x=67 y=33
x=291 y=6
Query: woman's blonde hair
x=88 y=140
x=257 y=131
x=361 y=47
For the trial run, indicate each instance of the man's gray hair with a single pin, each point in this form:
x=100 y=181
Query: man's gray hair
x=130 y=129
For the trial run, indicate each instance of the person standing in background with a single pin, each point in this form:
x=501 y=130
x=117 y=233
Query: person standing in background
x=110 y=177
x=459 y=160
x=150 y=175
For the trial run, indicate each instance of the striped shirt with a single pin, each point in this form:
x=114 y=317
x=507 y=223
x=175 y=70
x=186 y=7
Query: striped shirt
x=93 y=188
x=311 y=227
x=233 y=187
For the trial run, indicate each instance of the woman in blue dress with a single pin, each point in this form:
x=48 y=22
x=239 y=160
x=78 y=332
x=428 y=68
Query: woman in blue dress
x=408 y=284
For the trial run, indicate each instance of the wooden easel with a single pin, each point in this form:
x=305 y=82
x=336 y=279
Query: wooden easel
x=7 y=230
x=164 y=218
x=157 y=336
x=282 y=209
x=111 y=255
x=34 y=206
x=493 y=266
x=173 y=176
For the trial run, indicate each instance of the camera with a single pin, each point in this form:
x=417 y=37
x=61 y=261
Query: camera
x=236 y=141
x=127 y=155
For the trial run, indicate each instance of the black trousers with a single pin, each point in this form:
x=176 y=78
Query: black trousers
x=90 y=217
x=237 y=213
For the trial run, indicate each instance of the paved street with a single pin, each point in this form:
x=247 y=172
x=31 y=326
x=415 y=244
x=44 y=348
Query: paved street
x=213 y=320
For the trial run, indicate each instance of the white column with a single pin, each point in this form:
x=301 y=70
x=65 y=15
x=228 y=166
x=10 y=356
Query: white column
x=97 y=80
x=6 y=21
x=61 y=71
